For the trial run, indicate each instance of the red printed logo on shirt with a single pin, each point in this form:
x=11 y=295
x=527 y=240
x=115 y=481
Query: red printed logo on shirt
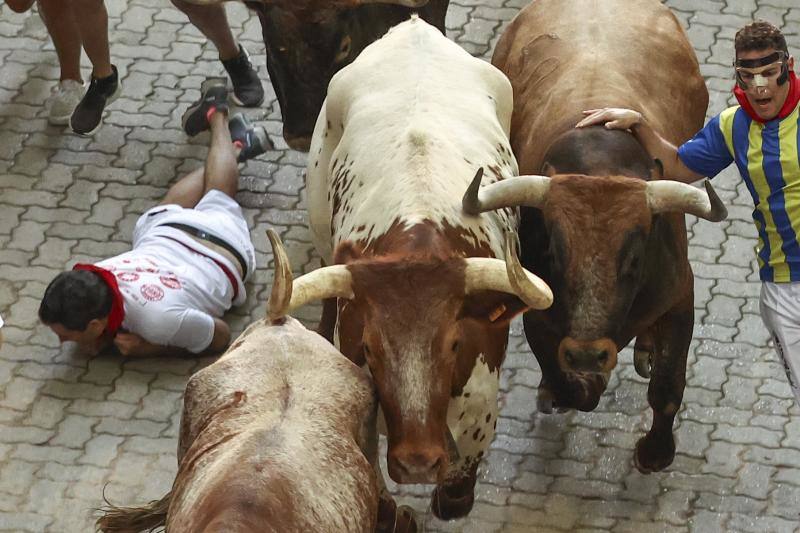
x=128 y=276
x=153 y=293
x=171 y=281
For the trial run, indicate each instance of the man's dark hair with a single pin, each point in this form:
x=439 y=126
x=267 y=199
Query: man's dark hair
x=759 y=35
x=75 y=298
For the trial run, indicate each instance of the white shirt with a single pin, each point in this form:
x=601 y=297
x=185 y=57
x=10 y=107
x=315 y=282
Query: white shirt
x=170 y=293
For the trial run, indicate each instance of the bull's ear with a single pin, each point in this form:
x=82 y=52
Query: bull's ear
x=347 y=252
x=493 y=308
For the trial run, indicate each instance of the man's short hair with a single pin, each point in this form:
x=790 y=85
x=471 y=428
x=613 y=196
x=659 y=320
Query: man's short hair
x=75 y=298
x=759 y=35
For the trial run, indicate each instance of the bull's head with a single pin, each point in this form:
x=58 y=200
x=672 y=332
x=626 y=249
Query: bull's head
x=596 y=248
x=415 y=321
x=307 y=42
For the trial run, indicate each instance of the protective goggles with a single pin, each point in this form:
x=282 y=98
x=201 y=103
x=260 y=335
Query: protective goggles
x=759 y=73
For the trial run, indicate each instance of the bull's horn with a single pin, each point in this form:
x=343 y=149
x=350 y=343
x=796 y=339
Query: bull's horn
x=512 y=192
x=287 y=295
x=671 y=196
x=333 y=281
x=485 y=273
x=281 y=294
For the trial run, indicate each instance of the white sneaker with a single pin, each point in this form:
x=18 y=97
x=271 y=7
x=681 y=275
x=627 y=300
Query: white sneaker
x=65 y=97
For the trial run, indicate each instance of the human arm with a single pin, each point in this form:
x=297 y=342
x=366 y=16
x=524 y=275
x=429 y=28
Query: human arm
x=651 y=140
x=133 y=345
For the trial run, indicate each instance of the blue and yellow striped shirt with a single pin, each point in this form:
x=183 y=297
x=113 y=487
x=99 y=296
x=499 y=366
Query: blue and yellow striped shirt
x=767 y=158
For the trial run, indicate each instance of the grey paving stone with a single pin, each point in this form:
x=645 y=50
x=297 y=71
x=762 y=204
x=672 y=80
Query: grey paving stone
x=64 y=195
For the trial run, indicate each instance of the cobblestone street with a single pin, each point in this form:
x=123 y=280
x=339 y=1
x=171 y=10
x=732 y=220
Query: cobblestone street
x=73 y=429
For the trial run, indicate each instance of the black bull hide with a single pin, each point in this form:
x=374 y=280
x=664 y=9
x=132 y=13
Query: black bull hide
x=305 y=49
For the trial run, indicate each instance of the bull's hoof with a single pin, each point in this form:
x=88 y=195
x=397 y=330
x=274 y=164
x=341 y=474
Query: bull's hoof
x=394 y=519
x=406 y=520
x=544 y=400
x=447 y=507
x=654 y=454
x=642 y=362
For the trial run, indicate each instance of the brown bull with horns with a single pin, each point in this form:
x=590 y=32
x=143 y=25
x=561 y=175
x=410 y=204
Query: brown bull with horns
x=602 y=228
x=277 y=436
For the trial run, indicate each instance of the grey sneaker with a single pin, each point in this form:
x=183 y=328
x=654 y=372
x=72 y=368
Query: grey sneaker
x=253 y=140
x=65 y=98
x=214 y=97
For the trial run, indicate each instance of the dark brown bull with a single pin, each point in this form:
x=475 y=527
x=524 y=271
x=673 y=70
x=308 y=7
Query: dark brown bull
x=277 y=436
x=602 y=231
x=308 y=41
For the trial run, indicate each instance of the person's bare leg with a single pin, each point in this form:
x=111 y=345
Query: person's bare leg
x=63 y=29
x=92 y=20
x=212 y=21
x=221 y=170
x=187 y=191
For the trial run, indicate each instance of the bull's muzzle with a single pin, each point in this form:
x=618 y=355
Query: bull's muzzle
x=596 y=356
x=409 y=463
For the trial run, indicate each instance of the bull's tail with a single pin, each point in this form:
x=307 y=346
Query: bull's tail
x=134 y=519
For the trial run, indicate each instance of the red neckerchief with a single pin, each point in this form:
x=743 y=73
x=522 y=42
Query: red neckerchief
x=791 y=102
x=117 y=313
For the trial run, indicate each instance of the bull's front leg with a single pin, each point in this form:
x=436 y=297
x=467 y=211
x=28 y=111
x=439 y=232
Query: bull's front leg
x=454 y=497
x=471 y=420
x=672 y=334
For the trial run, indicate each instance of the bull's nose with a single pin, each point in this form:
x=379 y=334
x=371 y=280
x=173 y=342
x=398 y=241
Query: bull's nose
x=300 y=143
x=587 y=356
x=422 y=465
x=586 y=360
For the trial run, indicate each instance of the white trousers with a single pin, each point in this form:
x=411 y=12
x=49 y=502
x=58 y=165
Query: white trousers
x=780 y=311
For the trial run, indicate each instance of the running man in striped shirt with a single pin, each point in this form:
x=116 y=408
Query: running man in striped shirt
x=761 y=135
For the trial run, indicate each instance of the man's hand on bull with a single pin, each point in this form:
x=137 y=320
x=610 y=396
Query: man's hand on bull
x=612 y=117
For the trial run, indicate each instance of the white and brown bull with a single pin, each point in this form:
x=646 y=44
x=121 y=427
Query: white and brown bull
x=277 y=436
x=425 y=295
x=602 y=228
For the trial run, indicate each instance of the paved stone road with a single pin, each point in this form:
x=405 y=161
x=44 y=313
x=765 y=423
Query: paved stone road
x=72 y=427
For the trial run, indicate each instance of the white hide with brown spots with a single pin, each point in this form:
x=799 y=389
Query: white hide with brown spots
x=391 y=148
x=472 y=416
x=410 y=153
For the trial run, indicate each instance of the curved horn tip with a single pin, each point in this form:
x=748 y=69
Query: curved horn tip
x=470 y=202
x=282 y=282
x=534 y=292
x=718 y=211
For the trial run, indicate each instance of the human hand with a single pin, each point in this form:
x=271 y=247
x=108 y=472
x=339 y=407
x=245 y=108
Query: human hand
x=130 y=344
x=614 y=118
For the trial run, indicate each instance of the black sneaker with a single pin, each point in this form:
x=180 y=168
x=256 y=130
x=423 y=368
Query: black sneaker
x=252 y=139
x=88 y=113
x=247 y=89
x=213 y=95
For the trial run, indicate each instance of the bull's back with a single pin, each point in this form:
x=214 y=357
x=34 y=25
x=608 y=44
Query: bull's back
x=627 y=53
x=403 y=131
x=276 y=429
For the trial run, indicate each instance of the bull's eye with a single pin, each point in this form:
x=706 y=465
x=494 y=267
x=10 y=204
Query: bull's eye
x=344 y=49
x=455 y=346
x=367 y=353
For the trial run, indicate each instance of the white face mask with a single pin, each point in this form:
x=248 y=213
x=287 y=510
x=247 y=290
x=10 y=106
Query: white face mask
x=761 y=73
